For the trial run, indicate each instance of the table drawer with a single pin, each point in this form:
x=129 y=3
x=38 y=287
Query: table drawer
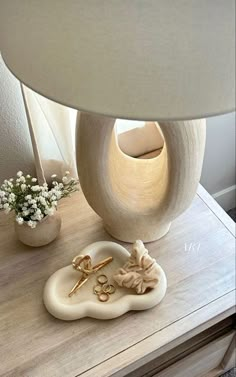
x=200 y=362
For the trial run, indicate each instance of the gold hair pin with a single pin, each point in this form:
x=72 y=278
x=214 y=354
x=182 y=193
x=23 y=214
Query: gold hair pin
x=83 y=263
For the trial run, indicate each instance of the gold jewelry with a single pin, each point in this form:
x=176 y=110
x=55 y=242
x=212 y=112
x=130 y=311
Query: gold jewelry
x=103 y=297
x=104 y=290
x=97 y=289
x=102 y=279
x=83 y=263
x=108 y=288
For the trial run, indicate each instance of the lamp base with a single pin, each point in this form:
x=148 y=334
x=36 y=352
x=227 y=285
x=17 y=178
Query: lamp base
x=131 y=234
x=139 y=198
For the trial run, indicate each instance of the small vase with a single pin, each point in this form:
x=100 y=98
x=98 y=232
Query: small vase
x=45 y=232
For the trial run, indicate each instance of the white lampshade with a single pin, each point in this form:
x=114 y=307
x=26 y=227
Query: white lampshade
x=134 y=59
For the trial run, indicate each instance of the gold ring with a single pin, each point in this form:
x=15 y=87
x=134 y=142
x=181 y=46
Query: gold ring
x=103 y=297
x=102 y=279
x=97 y=289
x=108 y=288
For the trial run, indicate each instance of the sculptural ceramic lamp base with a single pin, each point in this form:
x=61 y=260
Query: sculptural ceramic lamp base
x=139 y=198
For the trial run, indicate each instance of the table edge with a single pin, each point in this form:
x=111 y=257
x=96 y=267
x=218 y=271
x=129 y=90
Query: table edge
x=218 y=211
x=165 y=339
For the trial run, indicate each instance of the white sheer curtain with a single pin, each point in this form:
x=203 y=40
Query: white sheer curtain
x=52 y=131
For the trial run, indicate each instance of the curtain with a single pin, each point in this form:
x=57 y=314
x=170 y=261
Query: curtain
x=52 y=131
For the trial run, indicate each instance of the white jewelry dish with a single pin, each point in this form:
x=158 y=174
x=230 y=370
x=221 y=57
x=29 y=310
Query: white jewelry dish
x=84 y=303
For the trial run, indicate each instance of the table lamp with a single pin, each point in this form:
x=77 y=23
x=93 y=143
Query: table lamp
x=169 y=62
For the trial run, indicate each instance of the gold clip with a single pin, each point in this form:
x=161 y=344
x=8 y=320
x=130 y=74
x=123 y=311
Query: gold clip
x=83 y=263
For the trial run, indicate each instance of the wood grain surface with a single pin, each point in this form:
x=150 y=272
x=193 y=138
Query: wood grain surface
x=200 y=292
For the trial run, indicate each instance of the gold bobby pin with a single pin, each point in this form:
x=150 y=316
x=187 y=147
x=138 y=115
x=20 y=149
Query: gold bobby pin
x=83 y=263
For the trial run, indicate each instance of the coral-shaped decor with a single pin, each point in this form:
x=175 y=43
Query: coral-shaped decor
x=141 y=272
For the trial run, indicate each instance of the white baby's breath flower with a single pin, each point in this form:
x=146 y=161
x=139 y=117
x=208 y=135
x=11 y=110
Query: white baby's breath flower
x=53 y=176
x=58 y=195
x=31 y=224
x=35 y=188
x=49 y=211
x=42 y=200
x=23 y=187
x=38 y=217
x=25 y=213
x=11 y=197
x=20 y=220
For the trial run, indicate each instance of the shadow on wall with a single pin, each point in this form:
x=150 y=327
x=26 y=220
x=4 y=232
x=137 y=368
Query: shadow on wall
x=15 y=144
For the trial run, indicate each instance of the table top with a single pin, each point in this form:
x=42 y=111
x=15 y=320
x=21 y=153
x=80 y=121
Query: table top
x=198 y=256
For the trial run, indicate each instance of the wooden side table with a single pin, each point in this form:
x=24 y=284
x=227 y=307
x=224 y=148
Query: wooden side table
x=189 y=334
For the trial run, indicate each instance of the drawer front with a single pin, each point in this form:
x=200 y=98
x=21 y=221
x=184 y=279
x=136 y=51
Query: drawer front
x=199 y=362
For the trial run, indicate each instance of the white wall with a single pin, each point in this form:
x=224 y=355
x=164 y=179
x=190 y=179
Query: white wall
x=218 y=173
x=15 y=146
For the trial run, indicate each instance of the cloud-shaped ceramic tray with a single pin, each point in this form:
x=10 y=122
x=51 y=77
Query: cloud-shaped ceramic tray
x=84 y=303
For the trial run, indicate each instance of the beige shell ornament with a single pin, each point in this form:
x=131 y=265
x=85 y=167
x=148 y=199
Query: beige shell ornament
x=141 y=272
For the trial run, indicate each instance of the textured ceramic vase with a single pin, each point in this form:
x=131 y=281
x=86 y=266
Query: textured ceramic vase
x=45 y=232
x=139 y=198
